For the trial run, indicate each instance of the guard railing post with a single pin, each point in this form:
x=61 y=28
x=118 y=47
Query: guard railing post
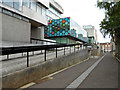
x=27 y=59
x=56 y=52
x=7 y=56
x=45 y=54
x=70 y=49
x=64 y=50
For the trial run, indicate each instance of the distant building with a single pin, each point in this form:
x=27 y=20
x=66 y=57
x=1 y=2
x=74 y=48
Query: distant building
x=92 y=33
x=65 y=30
x=105 y=47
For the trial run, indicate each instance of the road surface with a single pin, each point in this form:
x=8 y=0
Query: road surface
x=92 y=73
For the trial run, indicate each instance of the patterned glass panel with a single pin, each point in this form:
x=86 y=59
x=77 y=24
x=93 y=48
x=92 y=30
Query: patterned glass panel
x=62 y=27
x=57 y=27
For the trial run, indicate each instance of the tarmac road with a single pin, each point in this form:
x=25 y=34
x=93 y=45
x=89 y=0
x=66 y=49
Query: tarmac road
x=103 y=74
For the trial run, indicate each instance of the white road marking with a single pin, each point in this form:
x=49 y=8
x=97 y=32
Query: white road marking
x=82 y=77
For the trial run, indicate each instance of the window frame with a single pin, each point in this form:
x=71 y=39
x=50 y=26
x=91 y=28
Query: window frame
x=5 y=3
x=18 y=3
x=17 y=16
x=25 y=4
x=40 y=7
x=32 y=5
x=0 y=10
x=43 y=11
x=7 y=12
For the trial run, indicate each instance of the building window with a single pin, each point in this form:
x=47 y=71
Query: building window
x=17 y=16
x=16 y=4
x=7 y=12
x=33 y=5
x=25 y=19
x=49 y=18
x=0 y=9
x=39 y=8
x=55 y=10
x=52 y=14
x=43 y=11
x=13 y=14
x=8 y=2
x=26 y=3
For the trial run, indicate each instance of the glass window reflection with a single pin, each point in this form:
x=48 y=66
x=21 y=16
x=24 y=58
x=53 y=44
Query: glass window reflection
x=33 y=5
x=17 y=16
x=7 y=12
x=16 y=4
x=8 y=2
x=39 y=9
x=26 y=3
x=43 y=11
x=0 y=9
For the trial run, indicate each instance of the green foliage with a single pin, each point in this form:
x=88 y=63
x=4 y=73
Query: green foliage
x=111 y=22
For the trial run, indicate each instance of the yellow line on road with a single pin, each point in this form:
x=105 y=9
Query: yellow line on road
x=66 y=68
x=27 y=85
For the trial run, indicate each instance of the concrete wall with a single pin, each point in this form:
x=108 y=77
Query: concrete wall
x=29 y=13
x=44 y=2
x=37 y=32
x=0 y=46
x=34 y=16
x=0 y=27
x=20 y=78
x=14 y=29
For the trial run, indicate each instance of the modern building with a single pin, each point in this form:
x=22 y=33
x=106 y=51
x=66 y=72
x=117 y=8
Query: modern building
x=23 y=19
x=92 y=33
x=65 y=30
x=105 y=47
x=55 y=10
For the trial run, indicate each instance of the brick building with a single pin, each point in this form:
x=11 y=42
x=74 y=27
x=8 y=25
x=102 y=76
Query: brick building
x=105 y=47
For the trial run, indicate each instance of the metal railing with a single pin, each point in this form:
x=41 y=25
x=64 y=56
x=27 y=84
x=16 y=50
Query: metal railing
x=20 y=49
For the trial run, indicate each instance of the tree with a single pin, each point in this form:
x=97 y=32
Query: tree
x=111 y=22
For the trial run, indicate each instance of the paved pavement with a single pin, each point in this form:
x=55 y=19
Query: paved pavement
x=104 y=75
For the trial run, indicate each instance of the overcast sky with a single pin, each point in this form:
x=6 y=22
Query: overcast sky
x=84 y=12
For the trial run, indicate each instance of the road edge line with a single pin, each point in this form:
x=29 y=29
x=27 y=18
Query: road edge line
x=84 y=75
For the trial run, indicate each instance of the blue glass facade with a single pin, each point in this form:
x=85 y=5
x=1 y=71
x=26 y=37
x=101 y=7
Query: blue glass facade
x=64 y=27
